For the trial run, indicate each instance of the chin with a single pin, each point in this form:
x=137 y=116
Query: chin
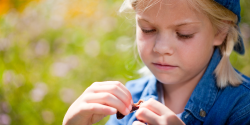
x=166 y=79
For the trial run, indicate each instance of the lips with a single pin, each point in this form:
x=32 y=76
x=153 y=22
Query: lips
x=163 y=66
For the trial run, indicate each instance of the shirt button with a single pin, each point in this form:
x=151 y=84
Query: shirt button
x=202 y=113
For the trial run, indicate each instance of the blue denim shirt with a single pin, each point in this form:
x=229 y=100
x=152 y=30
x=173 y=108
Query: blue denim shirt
x=208 y=104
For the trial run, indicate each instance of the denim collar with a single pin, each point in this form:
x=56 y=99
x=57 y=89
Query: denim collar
x=204 y=94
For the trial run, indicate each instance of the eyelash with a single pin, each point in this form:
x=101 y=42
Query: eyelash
x=148 y=31
x=182 y=36
x=185 y=36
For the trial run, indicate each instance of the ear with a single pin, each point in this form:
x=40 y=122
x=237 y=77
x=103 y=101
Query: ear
x=220 y=36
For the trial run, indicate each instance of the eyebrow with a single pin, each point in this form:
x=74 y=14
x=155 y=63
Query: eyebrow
x=187 y=23
x=177 y=24
x=139 y=18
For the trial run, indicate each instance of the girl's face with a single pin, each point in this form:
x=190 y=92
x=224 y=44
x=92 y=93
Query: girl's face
x=174 y=41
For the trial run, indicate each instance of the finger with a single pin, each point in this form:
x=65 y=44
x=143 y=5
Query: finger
x=116 y=83
x=97 y=117
x=107 y=99
x=96 y=108
x=116 y=91
x=156 y=107
x=138 y=123
x=146 y=115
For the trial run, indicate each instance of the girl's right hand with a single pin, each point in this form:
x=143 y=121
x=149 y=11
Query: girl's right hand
x=97 y=101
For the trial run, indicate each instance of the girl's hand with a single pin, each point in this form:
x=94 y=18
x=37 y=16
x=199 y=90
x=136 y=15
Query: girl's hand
x=153 y=112
x=97 y=101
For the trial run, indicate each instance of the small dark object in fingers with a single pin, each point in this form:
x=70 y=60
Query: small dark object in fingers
x=135 y=106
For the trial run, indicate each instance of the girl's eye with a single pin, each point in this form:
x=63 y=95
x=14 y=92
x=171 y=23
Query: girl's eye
x=182 y=36
x=148 y=31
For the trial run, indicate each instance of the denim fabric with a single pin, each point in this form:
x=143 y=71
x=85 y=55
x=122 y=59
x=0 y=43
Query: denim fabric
x=208 y=104
x=234 y=6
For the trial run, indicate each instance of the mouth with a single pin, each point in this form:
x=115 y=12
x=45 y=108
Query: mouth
x=164 y=66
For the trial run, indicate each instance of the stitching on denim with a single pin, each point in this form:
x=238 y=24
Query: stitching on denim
x=243 y=112
x=246 y=85
x=196 y=115
x=187 y=115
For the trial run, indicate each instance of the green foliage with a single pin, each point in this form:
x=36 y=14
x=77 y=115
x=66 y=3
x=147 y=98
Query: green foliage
x=48 y=59
x=46 y=62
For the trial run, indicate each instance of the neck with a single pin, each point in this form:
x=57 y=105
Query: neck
x=176 y=96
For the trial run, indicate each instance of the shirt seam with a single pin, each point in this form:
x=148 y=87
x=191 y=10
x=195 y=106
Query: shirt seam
x=243 y=112
x=246 y=85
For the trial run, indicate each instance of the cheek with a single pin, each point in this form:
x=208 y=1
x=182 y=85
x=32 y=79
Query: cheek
x=145 y=43
x=142 y=47
x=197 y=52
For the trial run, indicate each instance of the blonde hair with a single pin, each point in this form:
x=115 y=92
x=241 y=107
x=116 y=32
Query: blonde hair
x=221 y=18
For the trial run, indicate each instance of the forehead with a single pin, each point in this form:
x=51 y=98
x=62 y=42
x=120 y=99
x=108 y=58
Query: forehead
x=169 y=11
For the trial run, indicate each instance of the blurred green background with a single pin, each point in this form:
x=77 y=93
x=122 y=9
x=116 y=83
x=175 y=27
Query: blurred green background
x=52 y=50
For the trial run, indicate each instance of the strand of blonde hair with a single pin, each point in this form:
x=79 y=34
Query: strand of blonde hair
x=225 y=73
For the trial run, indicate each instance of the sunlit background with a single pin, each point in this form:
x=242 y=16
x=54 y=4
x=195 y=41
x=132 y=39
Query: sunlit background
x=51 y=50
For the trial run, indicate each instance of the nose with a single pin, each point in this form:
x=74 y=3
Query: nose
x=164 y=44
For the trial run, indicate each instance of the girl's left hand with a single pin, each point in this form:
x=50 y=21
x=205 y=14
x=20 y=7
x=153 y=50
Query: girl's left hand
x=153 y=112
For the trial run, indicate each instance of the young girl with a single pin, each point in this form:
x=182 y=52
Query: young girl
x=186 y=45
